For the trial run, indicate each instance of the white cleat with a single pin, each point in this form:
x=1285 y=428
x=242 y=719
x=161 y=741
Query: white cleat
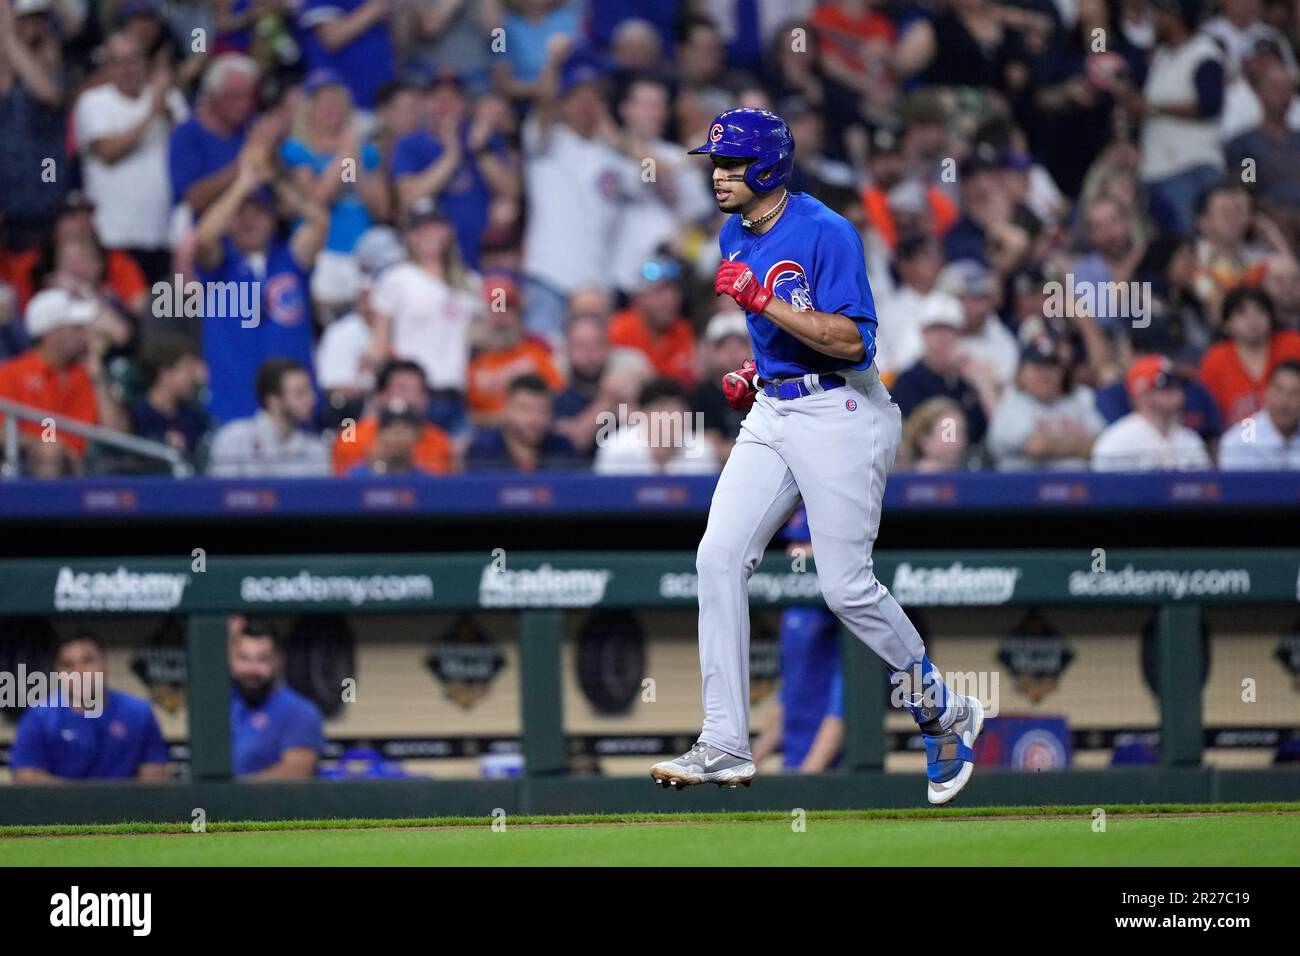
x=950 y=758
x=703 y=764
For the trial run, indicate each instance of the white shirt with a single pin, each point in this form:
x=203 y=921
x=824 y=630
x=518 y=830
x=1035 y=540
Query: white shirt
x=1017 y=416
x=1134 y=444
x=577 y=191
x=898 y=331
x=628 y=452
x=132 y=197
x=338 y=356
x=1170 y=144
x=1255 y=444
x=431 y=321
x=252 y=448
x=996 y=347
x=649 y=218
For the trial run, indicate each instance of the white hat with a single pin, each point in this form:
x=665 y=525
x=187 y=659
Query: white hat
x=53 y=309
x=24 y=8
x=940 y=308
x=726 y=323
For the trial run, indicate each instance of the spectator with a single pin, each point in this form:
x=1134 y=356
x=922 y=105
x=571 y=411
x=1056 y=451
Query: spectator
x=898 y=343
x=505 y=352
x=63 y=374
x=75 y=220
x=984 y=339
x=333 y=164
x=202 y=151
x=64 y=739
x=236 y=248
x=1150 y=438
x=574 y=180
x=397 y=116
x=1229 y=252
x=969 y=45
x=122 y=129
x=347 y=356
x=272 y=443
x=424 y=310
x=459 y=159
x=398 y=428
x=934 y=438
x=1282 y=283
x=1179 y=109
x=275 y=732
x=1271 y=150
x=524 y=440
x=451 y=35
x=664 y=439
x=350 y=37
x=31 y=104
x=944 y=370
x=1177 y=327
x=173 y=372
x=726 y=347
x=1236 y=371
x=1244 y=37
x=532 y=26
x=586 y=348
x=668 y=191
x=1269 y=439
x=400 y=382
x=654 y=325
x=886 y=195
x=1044 y=422
x=1115 y=249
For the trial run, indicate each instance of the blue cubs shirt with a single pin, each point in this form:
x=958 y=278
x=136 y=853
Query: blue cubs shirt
x=258 y=736
x=66 y=743
x=195 y=152
x=812 y=679
x=812 y=258
x=233 y=352
x=366 y=64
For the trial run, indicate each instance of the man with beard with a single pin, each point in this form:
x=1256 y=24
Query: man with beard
x=275 y=732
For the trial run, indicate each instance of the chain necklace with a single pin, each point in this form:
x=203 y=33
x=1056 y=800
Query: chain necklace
x=755 y=223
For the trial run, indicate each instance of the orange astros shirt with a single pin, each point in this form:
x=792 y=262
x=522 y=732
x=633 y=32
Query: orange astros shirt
x=1236 y=393
x=490 y=374
x=69 y=392
x=432 y=453
x=672 y=354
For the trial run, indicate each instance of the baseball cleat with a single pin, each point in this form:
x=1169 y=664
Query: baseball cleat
x=703 y=764
x=950 y=759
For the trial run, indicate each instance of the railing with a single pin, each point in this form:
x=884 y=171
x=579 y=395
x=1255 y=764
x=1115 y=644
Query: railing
x=13 y=411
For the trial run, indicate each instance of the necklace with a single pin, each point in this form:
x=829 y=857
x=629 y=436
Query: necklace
x=755 y=223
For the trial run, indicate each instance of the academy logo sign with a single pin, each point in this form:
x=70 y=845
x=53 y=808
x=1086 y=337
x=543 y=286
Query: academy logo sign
x=762 y=586
x=120 y=590
x=543 y=586
x=955 y=585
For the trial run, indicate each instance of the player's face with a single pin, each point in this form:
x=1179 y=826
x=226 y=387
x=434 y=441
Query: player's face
x=80 y=657
x=729 y=187
x=252 y=664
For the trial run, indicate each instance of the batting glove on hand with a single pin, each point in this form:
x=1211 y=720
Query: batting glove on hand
x=738 y=281
x=741 y=386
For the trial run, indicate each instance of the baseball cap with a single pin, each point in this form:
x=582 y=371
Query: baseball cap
x=137 y=8
x=396 y=411
x=1041 y=350
x=723 y=324
x=966 y=277
x=1148 y=372
x=940 y=308
x=505 y=283
x=581 y=67
x=378 y=248
x=982 y=158
x=659 y=270
x=320 y=78
x=908 y=196
x=423 y=210
x=52 y=309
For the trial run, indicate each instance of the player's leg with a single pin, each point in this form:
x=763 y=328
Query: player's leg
x=754 y=496
x=841 y=445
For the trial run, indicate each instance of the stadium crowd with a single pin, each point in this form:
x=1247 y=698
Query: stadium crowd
x=313 y=237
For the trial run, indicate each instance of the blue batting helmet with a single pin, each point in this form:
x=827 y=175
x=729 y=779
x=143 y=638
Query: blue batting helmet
x=758 y=135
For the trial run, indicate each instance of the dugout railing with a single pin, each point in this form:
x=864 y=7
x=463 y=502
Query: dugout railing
x=540 y=587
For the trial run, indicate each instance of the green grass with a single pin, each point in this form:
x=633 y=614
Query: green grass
x=1159 y=835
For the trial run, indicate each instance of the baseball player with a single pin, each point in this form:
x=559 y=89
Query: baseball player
x=820 y=428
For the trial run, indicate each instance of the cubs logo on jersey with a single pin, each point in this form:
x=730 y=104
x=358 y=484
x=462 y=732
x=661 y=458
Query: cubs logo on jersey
x=285 y=302
x=789 y=281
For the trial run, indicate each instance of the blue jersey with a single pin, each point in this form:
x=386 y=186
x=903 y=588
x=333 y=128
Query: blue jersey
x=366 y=64
x=812 y=680
x=258 y=736
x=232 y=351
x=66 y=743
x=812 y=258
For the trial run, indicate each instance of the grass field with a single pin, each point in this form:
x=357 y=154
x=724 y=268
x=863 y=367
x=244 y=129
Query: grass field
x=1146 y=835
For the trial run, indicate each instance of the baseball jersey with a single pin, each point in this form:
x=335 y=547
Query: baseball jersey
x=812 y=258
x=259 y=735
x=66 y=743
x=812 y=683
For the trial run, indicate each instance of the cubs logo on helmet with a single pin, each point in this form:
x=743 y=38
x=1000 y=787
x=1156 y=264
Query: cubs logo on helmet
x=789 y=281
x=715 y=134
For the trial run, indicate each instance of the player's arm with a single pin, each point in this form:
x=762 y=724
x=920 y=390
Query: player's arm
x=769 y=738
x=34 y=775
x=827 y=332
x=151 y=772
x=295 y=763
x=825 y=746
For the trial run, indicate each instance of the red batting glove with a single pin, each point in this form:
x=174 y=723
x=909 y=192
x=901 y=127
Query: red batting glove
x=741 y=386
x=738 y=281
